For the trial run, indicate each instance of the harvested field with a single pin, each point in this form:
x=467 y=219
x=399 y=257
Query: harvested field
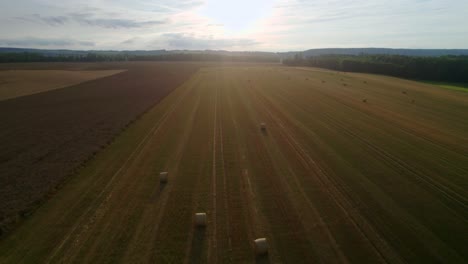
x=16 y=83
x=46 y=136
x=330 y=180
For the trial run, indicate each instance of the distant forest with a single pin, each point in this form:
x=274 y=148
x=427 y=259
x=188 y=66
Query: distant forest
x=16 y=57
x=448 y=68
x=443 y=69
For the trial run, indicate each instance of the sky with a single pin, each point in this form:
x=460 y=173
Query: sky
x=240 y=25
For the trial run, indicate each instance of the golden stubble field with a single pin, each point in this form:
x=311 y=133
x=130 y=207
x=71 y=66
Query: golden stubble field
x=351 y=168
x=16 y=83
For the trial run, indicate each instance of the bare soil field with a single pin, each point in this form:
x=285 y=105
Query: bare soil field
x=47 y=136
x=16 y=83
x=352 y=168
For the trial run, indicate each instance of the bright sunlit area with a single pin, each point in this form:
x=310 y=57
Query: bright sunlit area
x=237 y=17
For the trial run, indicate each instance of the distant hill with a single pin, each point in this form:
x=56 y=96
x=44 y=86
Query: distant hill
x=386 y=51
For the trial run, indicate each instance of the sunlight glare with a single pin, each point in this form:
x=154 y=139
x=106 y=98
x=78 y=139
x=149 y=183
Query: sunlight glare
x=236 y=16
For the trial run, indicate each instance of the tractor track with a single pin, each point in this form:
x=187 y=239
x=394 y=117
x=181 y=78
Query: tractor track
x=270 y=185
x=212 y=247
x=254 y=225
x=159 y=206
x=351 y=103
x=388 y=157
x=360 y=223
x=224 y=183
x=398 y=163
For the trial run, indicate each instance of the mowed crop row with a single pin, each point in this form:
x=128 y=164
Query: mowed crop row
x=47 y=136
x=332 y=179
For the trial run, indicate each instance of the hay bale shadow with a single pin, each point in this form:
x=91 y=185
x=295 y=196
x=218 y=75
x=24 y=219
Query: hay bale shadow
x=197 y=249
x=162 y=186
x=157 y=194
x=262 y=259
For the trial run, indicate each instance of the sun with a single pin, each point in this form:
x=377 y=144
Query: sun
x=236 y=16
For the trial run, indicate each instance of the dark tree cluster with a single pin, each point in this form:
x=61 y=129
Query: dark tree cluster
x=98 y=57
x=443 y=69
x=205 y=57
x=37 y=57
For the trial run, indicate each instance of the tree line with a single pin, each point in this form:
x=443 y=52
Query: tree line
x=207 y=57
x=442 y=69
x=18 y=57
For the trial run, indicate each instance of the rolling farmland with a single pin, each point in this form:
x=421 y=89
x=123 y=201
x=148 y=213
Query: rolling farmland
x=351 y=168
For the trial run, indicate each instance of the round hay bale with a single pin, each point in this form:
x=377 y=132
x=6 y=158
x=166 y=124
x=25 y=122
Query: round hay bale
x=163 y=177
x=262 y=126
x=200 y=219
x=261 y=246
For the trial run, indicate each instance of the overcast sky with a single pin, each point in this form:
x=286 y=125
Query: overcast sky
x=280 y=25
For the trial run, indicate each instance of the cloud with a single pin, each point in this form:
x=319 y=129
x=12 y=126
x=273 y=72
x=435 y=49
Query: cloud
x=189 y=41
x=119 y=23
x=55 y=20
x=193 y=24
x=51 y=20
x=44 y=42
x=176 y=6
x=91 y=19
x=128 y=41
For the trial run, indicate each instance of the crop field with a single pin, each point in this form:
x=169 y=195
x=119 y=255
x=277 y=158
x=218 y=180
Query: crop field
x=351 y=168
x=16 y=83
